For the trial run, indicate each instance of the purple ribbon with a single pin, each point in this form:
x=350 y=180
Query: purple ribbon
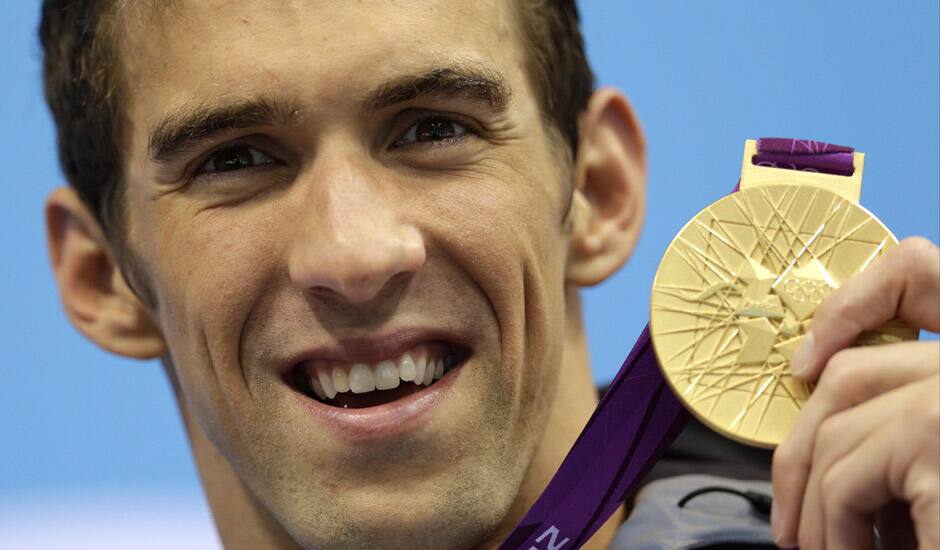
x=639 y=417
x=635 y=422
x=804 y=154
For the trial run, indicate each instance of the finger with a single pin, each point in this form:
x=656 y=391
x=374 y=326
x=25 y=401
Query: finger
x=852 y=376
x=898 y=461
x=904 y=283
x=850 y=527
x=837 y=436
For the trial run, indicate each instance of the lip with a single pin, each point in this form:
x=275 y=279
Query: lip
x=389 y=420
x=381 y=422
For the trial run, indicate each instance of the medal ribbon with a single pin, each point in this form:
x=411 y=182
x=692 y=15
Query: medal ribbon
x=633 y=425
x=804 y=154
x=639 y=416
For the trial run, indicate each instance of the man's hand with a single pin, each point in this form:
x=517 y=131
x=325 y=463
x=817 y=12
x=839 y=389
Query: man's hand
x=869 y=436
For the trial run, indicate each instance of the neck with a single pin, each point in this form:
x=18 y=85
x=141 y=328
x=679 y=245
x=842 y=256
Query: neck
x=240 y=519
x=575 y=401
x=243 y=522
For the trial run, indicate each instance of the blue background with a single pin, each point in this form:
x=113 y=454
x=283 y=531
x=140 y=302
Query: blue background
x=703 y=76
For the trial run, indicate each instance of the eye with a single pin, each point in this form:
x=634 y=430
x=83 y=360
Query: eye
x=432 y=129
x=235 y=158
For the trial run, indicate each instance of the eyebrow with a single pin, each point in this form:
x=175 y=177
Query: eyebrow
x=195 y=123
x=190 y=124
x=473 y=82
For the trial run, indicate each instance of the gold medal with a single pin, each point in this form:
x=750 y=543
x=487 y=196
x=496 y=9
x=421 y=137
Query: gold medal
x=737 y=288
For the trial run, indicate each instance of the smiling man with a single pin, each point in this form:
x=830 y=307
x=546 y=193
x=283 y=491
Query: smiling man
x=355 y=236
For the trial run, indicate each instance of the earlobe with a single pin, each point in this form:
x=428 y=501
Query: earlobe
x=94 y=294
x=610 y=189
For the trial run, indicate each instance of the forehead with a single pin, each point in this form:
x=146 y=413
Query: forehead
x=325 y=50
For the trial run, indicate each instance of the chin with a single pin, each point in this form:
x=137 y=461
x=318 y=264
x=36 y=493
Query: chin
x=464 y=513
x=446 y=477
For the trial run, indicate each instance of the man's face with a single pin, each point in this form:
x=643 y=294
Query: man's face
x=344 y=186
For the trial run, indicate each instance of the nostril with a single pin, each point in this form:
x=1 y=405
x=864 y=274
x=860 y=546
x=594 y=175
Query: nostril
x=363 y=290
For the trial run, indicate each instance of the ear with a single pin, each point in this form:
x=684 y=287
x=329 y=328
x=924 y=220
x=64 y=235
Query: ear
x=94 y=293
x=609 y=199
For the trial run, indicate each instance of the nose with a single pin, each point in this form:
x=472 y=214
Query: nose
x=352 y=241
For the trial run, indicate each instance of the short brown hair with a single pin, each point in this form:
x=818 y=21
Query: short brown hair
x=81 y=66
x=80 y=76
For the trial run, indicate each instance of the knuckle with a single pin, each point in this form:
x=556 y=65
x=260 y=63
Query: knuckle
x=917 y=245
x=841 y=373
x=846 y=376
x=837 y=309
x=918 y=257
x=828 y=432
x=926 y=485
x=926 y=419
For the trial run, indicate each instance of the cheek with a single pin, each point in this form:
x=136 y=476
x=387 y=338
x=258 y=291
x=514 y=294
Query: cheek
x=508 y=233
x=211 y=263
x=209 y=271
x=508 y=213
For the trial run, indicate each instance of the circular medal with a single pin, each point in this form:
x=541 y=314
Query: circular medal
x=735 y=294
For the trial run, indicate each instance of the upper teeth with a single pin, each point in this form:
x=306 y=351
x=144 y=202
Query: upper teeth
x=421 y=365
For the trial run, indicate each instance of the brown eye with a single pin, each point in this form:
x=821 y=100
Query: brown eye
x=236 y=158
x=431 y=130
x=435 y=130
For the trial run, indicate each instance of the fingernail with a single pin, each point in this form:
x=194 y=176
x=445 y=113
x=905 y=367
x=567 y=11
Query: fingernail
x=803 y=357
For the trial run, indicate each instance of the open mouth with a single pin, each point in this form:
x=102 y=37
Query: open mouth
x=359 y=385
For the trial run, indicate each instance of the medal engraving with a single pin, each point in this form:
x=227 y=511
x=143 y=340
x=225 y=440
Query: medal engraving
x=735 y=294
